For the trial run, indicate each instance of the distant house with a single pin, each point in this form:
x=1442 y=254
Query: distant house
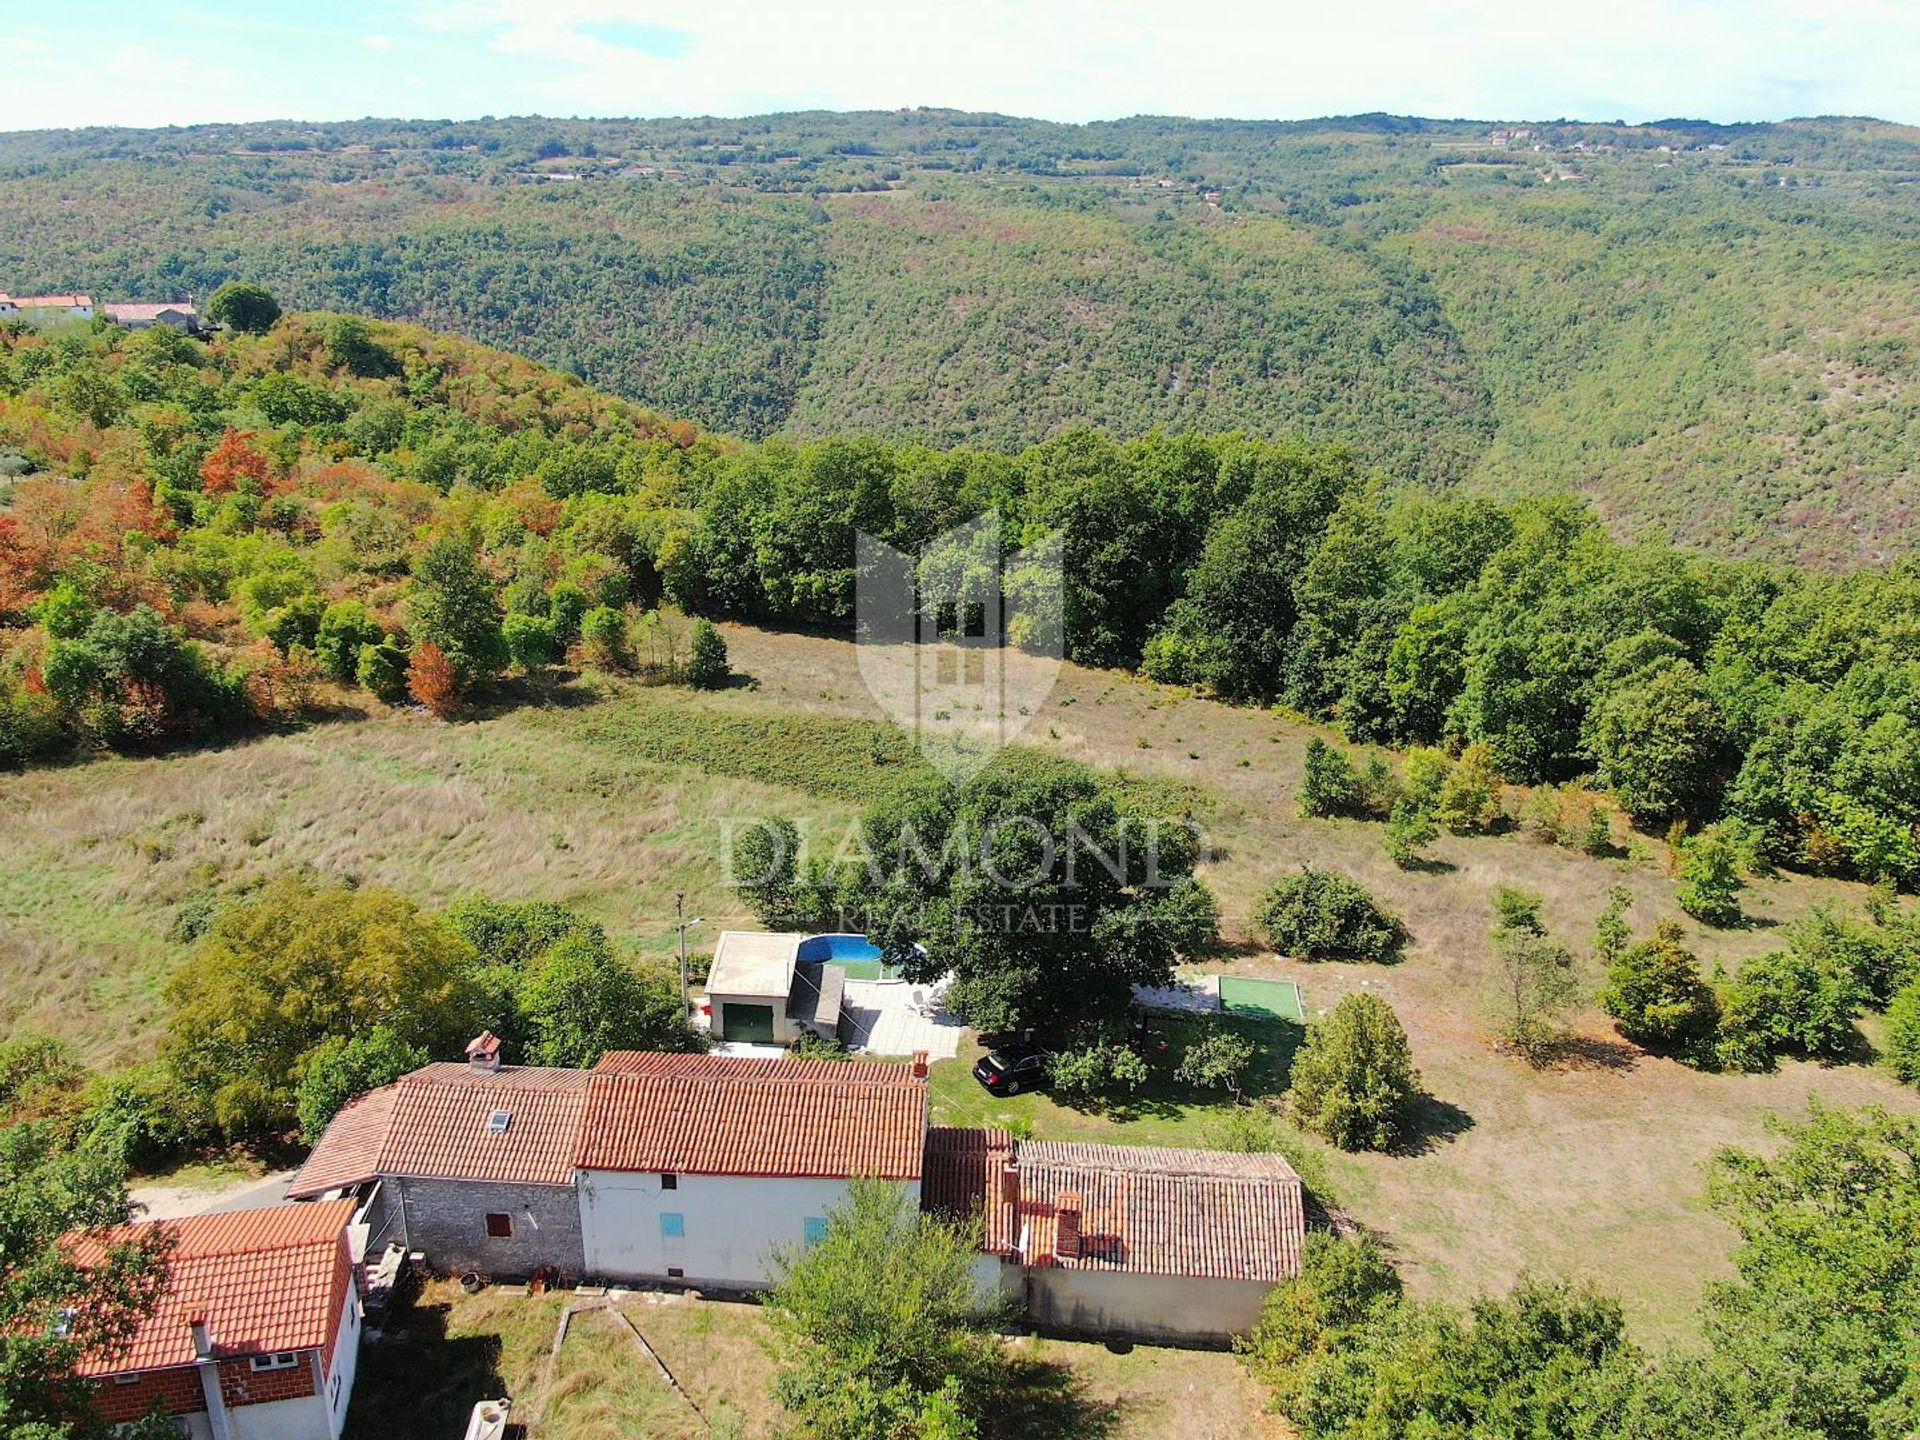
x=649 y=1167
x=257 y=1335
x=142 y=316
x=45 y=307
x=1160 y=1244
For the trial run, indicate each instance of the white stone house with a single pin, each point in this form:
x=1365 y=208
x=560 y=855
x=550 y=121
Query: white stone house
x=45 y=307
x=650 y=1167
x=141 y=315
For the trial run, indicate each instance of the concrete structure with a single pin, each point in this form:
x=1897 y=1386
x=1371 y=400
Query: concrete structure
x=140 y=315
x=760 y=992
x=257 y=1336
x=1178 y=1246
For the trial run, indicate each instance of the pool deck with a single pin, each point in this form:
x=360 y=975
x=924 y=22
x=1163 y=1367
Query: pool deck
x=876 y=1016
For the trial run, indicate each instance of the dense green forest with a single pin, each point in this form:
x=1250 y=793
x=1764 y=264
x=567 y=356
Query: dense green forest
x=1706 y=329
x=198 y=536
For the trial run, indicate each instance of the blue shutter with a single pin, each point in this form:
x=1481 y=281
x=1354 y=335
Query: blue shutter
x=814 y=1228
x=673 y=1226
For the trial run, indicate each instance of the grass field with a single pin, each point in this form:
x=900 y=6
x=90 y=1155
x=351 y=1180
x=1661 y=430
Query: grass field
x=452 y=1350
x=615 y=799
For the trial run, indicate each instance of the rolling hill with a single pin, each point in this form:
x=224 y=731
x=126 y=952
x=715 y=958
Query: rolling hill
x=1709 y=330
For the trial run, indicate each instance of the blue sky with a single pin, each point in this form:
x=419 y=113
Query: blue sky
x=157 y=62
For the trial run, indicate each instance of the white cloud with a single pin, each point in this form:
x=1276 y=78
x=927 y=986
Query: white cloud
x=1087 y=59
x=1061 y=59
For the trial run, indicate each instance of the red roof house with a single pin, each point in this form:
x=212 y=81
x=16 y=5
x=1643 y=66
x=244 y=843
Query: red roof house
x=257 y=1333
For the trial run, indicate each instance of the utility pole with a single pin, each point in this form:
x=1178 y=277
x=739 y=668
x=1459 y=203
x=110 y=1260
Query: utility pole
x=682 y=925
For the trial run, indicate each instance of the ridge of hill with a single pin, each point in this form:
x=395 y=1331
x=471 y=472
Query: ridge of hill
x=1709 y=330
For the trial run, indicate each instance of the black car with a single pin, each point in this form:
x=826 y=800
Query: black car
x=1009 y=1069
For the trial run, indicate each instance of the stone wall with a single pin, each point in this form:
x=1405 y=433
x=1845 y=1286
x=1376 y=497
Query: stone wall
x=448 y=1220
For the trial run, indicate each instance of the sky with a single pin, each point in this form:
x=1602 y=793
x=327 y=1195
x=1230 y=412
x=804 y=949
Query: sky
x=158 y=62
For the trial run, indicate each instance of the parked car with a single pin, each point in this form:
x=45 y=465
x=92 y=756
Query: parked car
x=1009 y=1069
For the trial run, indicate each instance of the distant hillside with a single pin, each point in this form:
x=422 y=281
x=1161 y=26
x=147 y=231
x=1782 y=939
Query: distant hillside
x=1713 y=331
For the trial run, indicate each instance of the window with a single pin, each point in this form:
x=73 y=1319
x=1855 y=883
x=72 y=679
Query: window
x=813 y=1229
x=669 y=1182
x=674 y=1272
x=498 y=1122
x=500 y=1227
x=673 y=1225
x=285 y=1360
x=126 y=1379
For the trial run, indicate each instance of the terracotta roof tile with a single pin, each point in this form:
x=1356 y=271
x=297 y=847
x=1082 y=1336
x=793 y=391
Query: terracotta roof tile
x=963 y=1178
x=263 y=1280
x=1202 y=1213
x=729 y=1115
x=435 y=1122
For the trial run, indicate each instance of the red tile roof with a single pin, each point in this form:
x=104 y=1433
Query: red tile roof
x=1202 y=1213
x=963 y=1178
x=637 y=1111
x=52 y=302
x=263 y=1280
x=434 y=1123
x=731 y=1115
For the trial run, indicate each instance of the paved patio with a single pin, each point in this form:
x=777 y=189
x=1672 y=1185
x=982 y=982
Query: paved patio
x=878 y=1016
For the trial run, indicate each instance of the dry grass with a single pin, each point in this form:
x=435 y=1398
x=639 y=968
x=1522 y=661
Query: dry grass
x=1592 y=1168
x=455 y=1350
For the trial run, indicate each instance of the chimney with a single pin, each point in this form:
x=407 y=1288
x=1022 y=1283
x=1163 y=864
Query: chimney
x=202 y=1338
x=1066 y=1226
x=1010 y=1182
x=919 y=1064
x=483 y=1051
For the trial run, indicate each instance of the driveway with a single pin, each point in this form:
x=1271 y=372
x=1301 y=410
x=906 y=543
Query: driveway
x=162 y=1201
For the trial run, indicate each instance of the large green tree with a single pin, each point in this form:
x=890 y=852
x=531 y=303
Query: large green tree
x=880 y=1325
x=276 y=977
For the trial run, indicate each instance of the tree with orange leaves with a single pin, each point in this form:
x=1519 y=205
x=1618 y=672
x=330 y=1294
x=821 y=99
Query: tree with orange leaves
x=234 y=459
x=17 y=567
x=431 y=680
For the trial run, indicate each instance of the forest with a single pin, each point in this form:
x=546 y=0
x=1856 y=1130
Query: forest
x=202 y=536
x=1705 y=330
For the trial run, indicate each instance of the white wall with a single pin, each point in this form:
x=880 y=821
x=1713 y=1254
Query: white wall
x=302 y=1419
x=730 y=1223
x=346 y=1363
x=1147 y=1307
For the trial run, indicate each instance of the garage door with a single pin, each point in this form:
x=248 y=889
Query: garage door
x=751 y=1023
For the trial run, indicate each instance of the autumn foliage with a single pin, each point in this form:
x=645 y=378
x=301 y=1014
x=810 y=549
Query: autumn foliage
x=431 y=680
x=234 y=459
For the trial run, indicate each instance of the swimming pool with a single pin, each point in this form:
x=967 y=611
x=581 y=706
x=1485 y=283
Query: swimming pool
x=855 y=954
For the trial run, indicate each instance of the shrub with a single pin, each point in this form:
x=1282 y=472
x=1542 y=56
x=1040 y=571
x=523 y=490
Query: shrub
x=1409 y=830
x=1902 y=1051
x=531 y=644
x=1656 y=991
x=1324 y=915
x=431 y=680
x=1532 y=988
x=1710 y=882
x=345 y=628
x=1097 y=1070
x=1218 y=1060
x=707 y=667
x=1469 y=798
x=1611 y=931
x=1354 y=1081
x=145 y=1115
x=1880 y=957
x=382 y=669
x=1787 y=1002
x=566 y=604
x=1343 y=1285
x=1328 y=785
x=603 y=638
x=1425 y=775
x=1517 y=911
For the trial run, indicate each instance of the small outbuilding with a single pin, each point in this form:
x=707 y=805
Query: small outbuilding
x=760 y=991
x=1177 y=1246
